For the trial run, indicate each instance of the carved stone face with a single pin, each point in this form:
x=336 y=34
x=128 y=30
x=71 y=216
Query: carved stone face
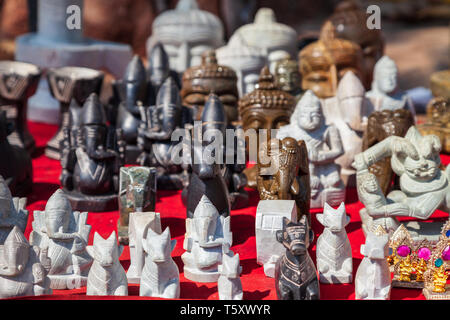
x=288 y=76
x=310 y=118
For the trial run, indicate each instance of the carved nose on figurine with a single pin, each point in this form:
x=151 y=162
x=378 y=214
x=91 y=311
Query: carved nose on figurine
x=298 y=249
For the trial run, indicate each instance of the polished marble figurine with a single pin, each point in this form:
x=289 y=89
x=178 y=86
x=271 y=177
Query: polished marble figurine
x=23 y=268
x=18 y=82
x=106 y=276
x=385 y=94
x=137 y=192
x=206 y=232
x=160 y=275
x=438 y=121
x=424 y=187
x=373 y=279
x=65 y=233
x=229 y=284
x=288 y=77
x=295 y=273
x=139 y=223
x=334 y=252
x=186 y=32
x=15 y=162
x=267 y=107
x=12 y=211
x=155 y=133
x=91 y=160
x=210 y=77
x=245 y=60
x=324 y=146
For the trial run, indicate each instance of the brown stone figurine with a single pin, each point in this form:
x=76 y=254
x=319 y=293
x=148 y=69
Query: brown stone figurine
x=267 y=107
x=198 y=82
x=438 y=121
x=382 y=124
x=290 y=181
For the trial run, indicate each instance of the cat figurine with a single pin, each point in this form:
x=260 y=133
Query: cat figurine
x=229 y=284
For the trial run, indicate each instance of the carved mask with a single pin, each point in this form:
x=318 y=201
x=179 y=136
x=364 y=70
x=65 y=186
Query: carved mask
x=288 y=76
x=205 y=221
x=385 y=76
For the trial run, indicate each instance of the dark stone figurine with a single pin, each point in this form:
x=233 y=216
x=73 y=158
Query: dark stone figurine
x=15 y=162
x=295 y=273
x=91 y=160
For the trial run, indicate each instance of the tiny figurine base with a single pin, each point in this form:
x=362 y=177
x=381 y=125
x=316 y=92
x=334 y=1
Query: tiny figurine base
x=335 y=279
x=201 y=276
x=431 y=295
x=63 y=282
x=407 y=284
x=101 y=203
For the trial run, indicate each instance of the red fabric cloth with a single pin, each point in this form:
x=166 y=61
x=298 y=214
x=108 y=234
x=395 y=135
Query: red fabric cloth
x=255 y=284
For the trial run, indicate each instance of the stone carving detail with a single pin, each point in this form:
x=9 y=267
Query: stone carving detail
x=334 y=253
x=288 y=77
x=229 y=284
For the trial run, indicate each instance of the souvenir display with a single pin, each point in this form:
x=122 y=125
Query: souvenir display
x=137 y=193
x=288 y=77
x=295 y=273
x=291 y=179
x=65 y=234
x=438 y=121
x=139 y=223
x=160 y=276
x=71 y=86
x=424 y=187
x=90 y=159
x=15 y=162
x=186 y=32
x=324 y=146
x=106 y=276
x=229 y=284
x=18 y=82
x=12 y=211
x=23 y=268
x=269 y=219
x=245 y=60
x=373 y=279
x=267 y=107
x=206 y=232
x=333 y=251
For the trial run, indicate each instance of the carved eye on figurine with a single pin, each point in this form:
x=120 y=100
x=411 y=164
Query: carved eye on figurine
x=317 y=77
x=228 y=99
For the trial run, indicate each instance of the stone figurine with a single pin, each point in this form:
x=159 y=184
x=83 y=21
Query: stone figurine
x=65 y=233
x=288 y=77
x=140 y=222
x=137 y=192
x=438 y=121
x=160 y=275
x=106 y=276
x=245 y=60
x=18 y=82
x=23 y=268
x=91 y=159
x=229 y=284
x=12 y=211
x=295 y=273
x=186 y=32
x=334 y=252
x=71 y=86
x=269 y=219
x=324 y=146
x=291 y=179
x=206 y=232
x=423 y=186
x=373 y=279
x=15 y=163
x=267 y=107
x=385 y=93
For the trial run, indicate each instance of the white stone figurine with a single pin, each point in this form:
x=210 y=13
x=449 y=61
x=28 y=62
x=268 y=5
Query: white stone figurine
x=12 y=211
x=385 y=93
x=373 y=278
x=269 y=219
x=23 y=268
x=107 y=276
x=186 y=32
x=65 y=233
x=229 y=284
x=160 y=276
x=324 y=147
x=349 y=111
x=206 y=233
x=334 y=252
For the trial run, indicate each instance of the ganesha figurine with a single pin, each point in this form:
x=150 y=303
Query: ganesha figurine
x=423 y=186
x=65 y=233
x=324 y=146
